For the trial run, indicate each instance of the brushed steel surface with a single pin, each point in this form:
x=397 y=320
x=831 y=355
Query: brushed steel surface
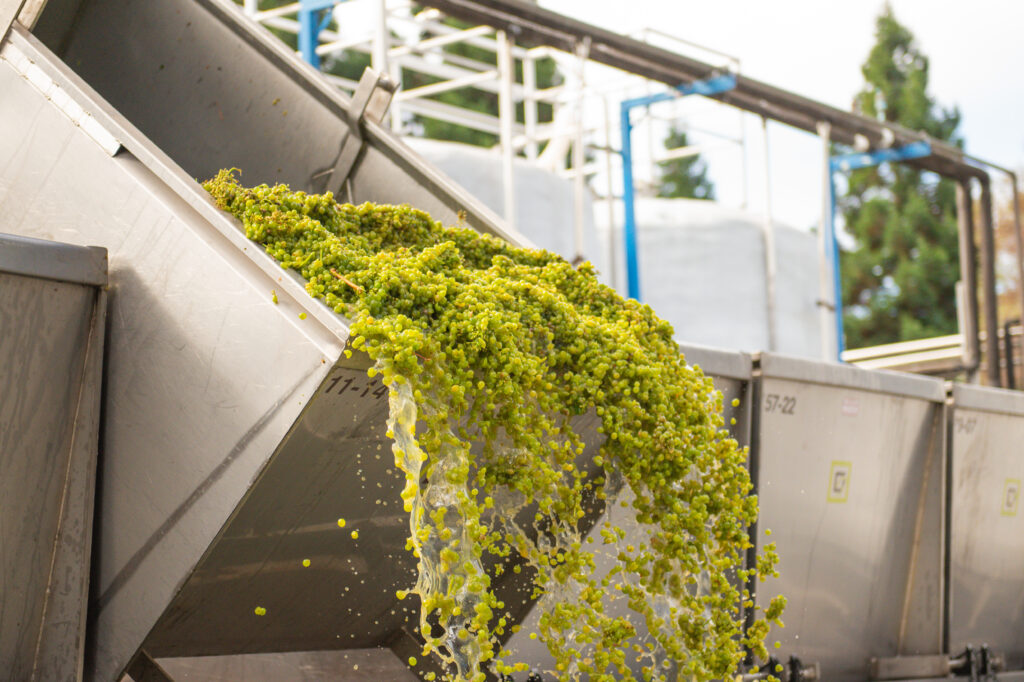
x=335 y=463
x=205 y=373
x=51 y=346
x=213 y=90
x=53 y=260
x=987 y=522
x=850 y=482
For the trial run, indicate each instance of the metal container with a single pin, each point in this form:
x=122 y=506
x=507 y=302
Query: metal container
x=52 y=314
x=731 y=373
x=850 y=476
x=235 y=434
x=986 y=522
x=211 y=90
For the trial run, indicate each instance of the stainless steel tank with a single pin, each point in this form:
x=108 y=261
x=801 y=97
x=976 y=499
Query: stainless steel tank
x=986 y=534
x=849 y=468
x=52 y=317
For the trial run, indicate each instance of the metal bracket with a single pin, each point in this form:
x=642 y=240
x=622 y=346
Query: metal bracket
x=369 y=103
x=978 y=664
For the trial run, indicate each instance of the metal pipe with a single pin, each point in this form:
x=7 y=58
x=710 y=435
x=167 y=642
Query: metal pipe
x=837 y=284
x=530 y=105
x=440 y=41
x=968 y=273
x=628 y=209
x=743 y=161
x=277 y=12
x=445 y=86
x=1011 y=370
x=251 y=7
x=708 y=87
x=379 y=58
x=770 y=261
x=507 y=114
x=826 y=309
x=579 y=185
x=988 y=285
x=1018 y=239
x=1018 y=236
x=613 y=274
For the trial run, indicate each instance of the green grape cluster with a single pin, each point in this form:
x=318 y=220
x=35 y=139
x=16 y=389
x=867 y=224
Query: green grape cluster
x=483 y=342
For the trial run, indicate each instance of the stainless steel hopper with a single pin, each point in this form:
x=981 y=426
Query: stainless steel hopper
x=233 y=438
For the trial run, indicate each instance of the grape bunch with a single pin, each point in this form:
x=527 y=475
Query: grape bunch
x=483 y=342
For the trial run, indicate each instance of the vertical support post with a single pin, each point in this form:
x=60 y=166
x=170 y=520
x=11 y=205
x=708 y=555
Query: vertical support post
x=613 y=268
x=251 y=7
x=629 y=210
x=1011 y=370
x=530 y=105
x=309 y=33
x=826 y=307
x=988 y=286
x=1018 y=239
x=506 y=116
x=708 y=87
x=968 y=272
x=744 y=180
x=770 y=261
x=837 y=285
x=578 y=185
x=379 y=47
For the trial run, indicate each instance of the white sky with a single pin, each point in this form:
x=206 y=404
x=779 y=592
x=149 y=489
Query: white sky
x=815 y=48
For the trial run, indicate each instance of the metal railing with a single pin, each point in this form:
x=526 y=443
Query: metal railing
x=579 y=142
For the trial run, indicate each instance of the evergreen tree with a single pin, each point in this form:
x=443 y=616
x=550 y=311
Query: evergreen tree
x=685 y=178
x=899 y=278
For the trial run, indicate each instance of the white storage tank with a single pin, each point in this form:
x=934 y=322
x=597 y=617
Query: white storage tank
x=544 y=200
x=702 y=268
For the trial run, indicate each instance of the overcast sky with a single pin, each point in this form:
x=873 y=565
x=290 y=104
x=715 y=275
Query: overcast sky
x=815 y=48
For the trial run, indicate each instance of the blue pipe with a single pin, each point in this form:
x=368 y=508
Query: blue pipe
x=832 y=248
x=629 y=210
x=311 y=23
x=848 y=162
x=707 y=87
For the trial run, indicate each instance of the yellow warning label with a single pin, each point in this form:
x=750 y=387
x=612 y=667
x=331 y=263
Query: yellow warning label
x=839 y=481
x=1011 y=497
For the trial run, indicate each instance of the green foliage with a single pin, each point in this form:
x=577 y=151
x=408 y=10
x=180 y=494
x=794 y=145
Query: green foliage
x=482 y=342
x=685 y=178
x=899 y=279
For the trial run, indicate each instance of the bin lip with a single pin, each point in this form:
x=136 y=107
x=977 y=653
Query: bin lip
x=53 y=260
x=777 y=366
x=718 y=362
x=987 y=399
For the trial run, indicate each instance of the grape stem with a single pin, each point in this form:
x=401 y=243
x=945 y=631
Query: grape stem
x=346 y=280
